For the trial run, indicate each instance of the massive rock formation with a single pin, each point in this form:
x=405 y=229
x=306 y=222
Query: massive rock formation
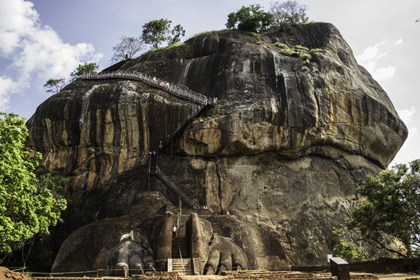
x=283 y=149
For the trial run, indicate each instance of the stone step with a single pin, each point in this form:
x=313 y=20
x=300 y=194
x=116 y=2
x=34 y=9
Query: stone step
x=180 y=244
x=182 y=265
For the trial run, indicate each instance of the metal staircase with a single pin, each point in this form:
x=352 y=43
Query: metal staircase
x=170 y=184
x=180 y=129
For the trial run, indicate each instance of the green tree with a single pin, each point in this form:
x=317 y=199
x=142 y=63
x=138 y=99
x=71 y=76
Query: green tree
x=288 y=13
x=25 y=210
x=127 y=48
x=177 y=32
x=391 y=209
x=54 y=85
x=82 y=70
x=156 y=32
x=346 y=247
x=251 y=18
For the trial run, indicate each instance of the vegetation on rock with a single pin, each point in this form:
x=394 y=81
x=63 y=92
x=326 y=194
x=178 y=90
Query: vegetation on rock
x=251 y=18
x=297 y=51
x=54 y=85
x=288 y=13
x=156 y=32
x=127 y=48
x=83 y=70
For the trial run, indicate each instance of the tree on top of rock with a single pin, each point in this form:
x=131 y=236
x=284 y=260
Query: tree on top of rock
x=127 y=48
x=251 y=19
x=156 y=32
x=177 y=32
x=54 y=85
x=288 y=13
x=83 y=70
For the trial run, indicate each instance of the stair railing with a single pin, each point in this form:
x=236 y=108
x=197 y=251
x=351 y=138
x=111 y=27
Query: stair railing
x=169 y=183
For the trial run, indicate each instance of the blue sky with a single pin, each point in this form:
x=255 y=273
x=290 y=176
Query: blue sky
x=44 y=39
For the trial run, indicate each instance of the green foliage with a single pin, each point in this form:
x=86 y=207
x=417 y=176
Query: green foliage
x=83 y=70
x=177 y=32
x=347 y=249
x=286 y=14
x=280 y=45
x=391 y=208
x=176 y=45
x=156 y=32
x=315 y=50
x=54 y=85
x=251 y=18
x=304 y=55
x=298 y=51
x=299 y=47
x=289 y=52
x=127 y=48
x=212 y=32
x=25 y=210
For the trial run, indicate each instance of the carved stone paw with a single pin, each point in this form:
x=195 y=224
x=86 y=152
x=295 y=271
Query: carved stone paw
x=224 y=255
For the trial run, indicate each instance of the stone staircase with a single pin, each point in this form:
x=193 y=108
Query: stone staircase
x=183 y=266
x=181 y=260
x=180 y=248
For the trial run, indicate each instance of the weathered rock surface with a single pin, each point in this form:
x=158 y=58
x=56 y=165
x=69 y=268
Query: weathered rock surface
x=283 y=149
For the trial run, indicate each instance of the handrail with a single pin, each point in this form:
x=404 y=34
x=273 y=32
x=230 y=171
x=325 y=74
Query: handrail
x=181 y=92
x=197 y=112
x=168 y=182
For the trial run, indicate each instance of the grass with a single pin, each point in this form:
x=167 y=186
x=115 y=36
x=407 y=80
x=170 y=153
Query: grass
x=211 y=32
x=176 y=45
x=223 y=31
x=299 y=47
x=297 y=51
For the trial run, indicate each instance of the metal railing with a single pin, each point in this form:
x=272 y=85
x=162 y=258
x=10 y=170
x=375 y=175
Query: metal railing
x=176 y=90
x=169 y=183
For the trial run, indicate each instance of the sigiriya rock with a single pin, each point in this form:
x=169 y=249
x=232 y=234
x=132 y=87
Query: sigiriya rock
x=294 y=125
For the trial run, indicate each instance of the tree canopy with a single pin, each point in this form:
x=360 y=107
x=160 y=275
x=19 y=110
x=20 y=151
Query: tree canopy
x=288 y=13
x=251 y=19
x=155 y=32
x=25 y=210
x=127 y=48
x=177 y=32
x=391 y=208
x=83 y=70
x=54 y=85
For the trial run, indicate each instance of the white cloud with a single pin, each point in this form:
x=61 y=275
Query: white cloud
x=369 y=59
x=406 y=115
x=383 y=73
x=6 y=87
x=369 y=54
x=399 y=42
x=36 y=50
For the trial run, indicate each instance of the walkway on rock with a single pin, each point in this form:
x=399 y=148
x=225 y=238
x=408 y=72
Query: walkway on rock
x=176 y=90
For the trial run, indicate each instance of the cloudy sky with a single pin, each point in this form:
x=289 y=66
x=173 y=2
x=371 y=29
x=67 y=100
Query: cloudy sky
x=42 y=39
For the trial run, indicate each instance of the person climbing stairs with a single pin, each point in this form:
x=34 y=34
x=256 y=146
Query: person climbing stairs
x=181 y=259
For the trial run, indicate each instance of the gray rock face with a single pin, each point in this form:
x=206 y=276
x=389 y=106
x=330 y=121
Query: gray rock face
x=283 y=149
